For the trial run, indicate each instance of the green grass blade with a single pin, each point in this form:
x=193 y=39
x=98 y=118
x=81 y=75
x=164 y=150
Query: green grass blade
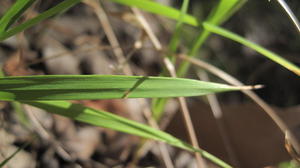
x=111 y=121
x=219 y=14
x=5 y=161
x=224 y=10
x=20 y=114
x=13 y=13
x=78 y=87
x=178 y=28
x=269 y=54
x=159 y=9
x=50 y=12
x=158 y=104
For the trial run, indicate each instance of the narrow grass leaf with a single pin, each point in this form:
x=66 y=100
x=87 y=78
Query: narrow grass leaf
x=158 y=104
x=78 y=87
x=111 y=121
x=224 y=10
x=159 y=9
x=13 y=13
x=269 y=54
x=178 y=28
x=20 y=114
x=5 y=161
x=61 y=7
x=219 y=14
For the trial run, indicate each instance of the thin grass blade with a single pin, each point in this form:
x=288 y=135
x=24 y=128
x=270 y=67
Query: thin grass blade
x=79 y=87
x=269 y=54
x=13 y=13
x=61 y=7
x=5 y=161
x=224 y=10
x=111 y=121
x=178 y=28
x=219 y=14
x=158 y=104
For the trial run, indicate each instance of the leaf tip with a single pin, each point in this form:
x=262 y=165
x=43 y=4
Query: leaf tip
x=250 y=87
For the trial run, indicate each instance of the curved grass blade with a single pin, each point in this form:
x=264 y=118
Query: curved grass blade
x=159 y=9
x=111 y=121
x=78 y=87
x=269 y=54
x=63 y=6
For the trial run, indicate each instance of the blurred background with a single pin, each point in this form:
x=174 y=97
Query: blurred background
x=75 y=43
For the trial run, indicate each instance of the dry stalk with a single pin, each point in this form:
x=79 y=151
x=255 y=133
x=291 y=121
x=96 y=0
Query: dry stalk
x=147 y=28
x=218 y=115
x=288 y=10
x=103 y=19
x=126 y=69
x=147 y=112
x=187 y=118
x=171 y=69
x=233 y=81
x=38 y=127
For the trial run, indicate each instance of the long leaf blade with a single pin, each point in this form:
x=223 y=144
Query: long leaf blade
x=111 y=121
x=13 y=13
x=78 y=87
x=45 y=15
x=218 y=15
x=269 y=54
